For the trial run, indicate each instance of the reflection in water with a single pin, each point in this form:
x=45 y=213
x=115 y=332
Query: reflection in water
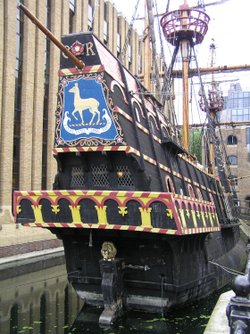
x=43 y=303
x=191 y=320
x=14 y=319
x=38 y=303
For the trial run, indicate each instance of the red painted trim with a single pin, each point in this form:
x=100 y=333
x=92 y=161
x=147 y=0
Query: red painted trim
x=87 y=69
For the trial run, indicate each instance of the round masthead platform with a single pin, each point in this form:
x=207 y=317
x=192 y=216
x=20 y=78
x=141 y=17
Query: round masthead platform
x=185 y=23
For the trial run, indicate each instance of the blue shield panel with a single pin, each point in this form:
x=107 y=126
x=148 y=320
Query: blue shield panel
x=86 y=114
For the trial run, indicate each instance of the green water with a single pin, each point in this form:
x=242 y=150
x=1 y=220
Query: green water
x=189 y=320
x=42 y=302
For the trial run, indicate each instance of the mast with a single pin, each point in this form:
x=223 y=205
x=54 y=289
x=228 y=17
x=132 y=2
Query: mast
x=185 y=28
x=215 y=103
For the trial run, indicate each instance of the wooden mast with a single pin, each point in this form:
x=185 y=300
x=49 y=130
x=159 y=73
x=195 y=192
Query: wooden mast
x=185 y=55
x=185 y=99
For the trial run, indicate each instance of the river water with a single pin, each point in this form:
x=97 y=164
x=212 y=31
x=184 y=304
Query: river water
x=42 y=302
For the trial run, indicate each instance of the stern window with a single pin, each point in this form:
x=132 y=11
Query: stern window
x=100 y=176
x=124 y=178
x=77 y=177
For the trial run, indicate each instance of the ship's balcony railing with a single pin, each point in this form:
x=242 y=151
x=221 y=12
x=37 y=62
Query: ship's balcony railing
x=153 y=212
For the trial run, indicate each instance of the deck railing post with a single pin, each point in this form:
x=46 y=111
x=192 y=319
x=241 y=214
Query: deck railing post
x=238 y=309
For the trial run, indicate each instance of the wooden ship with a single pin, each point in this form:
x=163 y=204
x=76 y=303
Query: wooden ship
x=144 y=226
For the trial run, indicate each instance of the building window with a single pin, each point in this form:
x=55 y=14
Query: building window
x=90 y=16
x=240 y=115
x=232 y=140
x=105 y=31
x=71 y=14
x=140 y=58
x=105 y=23
x=46 y=98
x=247 y=202
x=248 y=139
x=118 y=38
x=129 y=54
x=72 y=5
x=232 y=160
x=118 y=41
x=18 y=97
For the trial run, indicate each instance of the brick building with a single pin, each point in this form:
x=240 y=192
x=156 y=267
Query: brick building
x=236 y=137
x=28 y=83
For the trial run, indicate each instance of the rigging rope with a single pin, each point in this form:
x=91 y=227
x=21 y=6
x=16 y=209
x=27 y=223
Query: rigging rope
x=229 y=200
x=227 y=269
x=129 y=33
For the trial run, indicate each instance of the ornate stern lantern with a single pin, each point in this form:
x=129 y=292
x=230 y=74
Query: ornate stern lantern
x=185 y=28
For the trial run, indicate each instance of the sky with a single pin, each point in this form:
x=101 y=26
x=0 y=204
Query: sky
x=228 y=26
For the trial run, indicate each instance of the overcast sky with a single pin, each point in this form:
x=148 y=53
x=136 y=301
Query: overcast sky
x=229 y=27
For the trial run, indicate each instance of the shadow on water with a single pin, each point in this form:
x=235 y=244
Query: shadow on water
x=190 y=320
x=42 y=302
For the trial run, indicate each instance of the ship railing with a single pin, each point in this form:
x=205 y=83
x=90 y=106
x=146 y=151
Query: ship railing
x=152 y=212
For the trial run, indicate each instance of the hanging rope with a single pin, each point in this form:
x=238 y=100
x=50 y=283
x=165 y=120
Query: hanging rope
x=227 y=269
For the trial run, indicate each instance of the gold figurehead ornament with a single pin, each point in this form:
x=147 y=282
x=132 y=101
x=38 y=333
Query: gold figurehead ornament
x=108 y=250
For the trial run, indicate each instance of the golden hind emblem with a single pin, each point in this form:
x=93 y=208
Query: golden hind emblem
x=108 y=250
x=80 y=105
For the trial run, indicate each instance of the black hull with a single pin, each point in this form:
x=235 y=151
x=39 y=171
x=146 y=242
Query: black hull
x=160 y=271
x=122 y=179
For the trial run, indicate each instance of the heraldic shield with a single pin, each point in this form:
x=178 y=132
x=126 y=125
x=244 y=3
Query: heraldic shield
x=86 y=114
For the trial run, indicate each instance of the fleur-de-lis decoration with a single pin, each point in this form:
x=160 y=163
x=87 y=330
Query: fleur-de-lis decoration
x=198 y=214
x=187 y=213
x=55 y=208
x=123 y=210
x=169 y=213
x=18 y=209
